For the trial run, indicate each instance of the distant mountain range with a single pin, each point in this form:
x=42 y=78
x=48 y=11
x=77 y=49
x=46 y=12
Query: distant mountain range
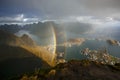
x=11 y=39
x=44 y=30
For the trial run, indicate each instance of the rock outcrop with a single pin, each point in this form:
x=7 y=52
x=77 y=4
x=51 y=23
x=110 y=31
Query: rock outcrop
x=114 y=42
x=79 y=70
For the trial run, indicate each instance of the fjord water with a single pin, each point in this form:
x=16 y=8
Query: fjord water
x=74 y=52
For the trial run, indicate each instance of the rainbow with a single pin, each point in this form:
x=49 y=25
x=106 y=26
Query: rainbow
x=54 y=43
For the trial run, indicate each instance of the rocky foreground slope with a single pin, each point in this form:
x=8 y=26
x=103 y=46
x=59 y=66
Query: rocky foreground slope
x=76 y=70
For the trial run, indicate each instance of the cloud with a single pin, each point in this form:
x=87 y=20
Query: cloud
x=66 y=10
x=19 y=18
x=97 y=20
x=98 y=12
x=62 y=8
x=102 y=8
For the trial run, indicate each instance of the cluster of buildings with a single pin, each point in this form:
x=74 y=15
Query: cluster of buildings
x=101 y=56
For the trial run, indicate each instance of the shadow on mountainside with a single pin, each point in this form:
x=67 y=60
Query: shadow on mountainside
x=16 y=61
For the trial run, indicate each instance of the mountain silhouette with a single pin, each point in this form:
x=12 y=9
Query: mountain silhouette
x=14 y=58
x=27 y=40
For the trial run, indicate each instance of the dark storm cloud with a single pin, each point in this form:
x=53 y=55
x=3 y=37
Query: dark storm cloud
x=103 y=7
x=15 y=7
x=57 y=9
x=62 y=8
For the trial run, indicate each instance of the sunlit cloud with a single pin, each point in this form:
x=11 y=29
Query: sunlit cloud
x=95 y=20
x=100 y=21
x=18 y=19
x=24 y=20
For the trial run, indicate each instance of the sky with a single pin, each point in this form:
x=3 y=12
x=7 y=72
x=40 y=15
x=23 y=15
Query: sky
x=90 y=11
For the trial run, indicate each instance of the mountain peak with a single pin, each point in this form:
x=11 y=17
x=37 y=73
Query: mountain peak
x=27 y=40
